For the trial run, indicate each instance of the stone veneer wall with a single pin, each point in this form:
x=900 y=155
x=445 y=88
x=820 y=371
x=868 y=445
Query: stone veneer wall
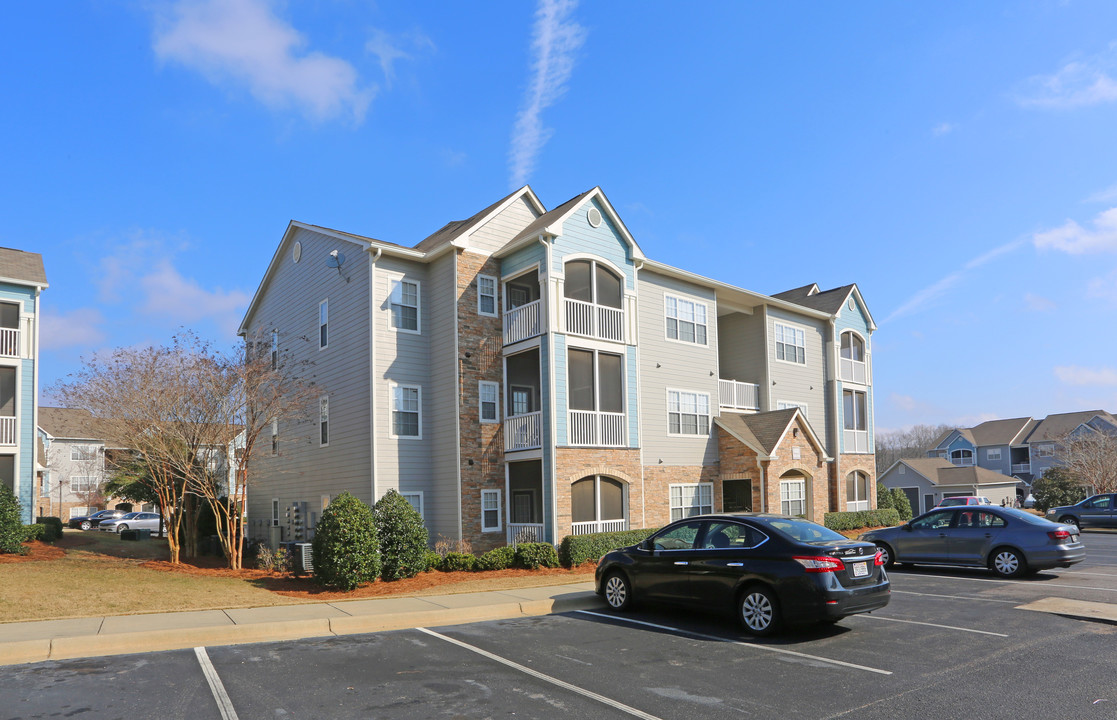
x=482 y=444
x=738 y=462
x=658 y=480
x=573 y=464
x=810 y=463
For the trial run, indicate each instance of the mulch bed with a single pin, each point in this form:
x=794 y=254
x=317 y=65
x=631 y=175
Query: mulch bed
x=39 y=551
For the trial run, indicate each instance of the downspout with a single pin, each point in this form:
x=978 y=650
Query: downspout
x=457 y=399
x=835 y=428
x=637 y=266
x=35 y=408
x=372 y=384
x=546 y=296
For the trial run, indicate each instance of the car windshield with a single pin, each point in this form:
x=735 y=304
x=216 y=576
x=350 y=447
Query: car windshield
x=129 y=516
x=805 y=530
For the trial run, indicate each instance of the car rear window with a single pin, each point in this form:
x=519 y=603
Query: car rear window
x=805 y=530
x=1027 y=517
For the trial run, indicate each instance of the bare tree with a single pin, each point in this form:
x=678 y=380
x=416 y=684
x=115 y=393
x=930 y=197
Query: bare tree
x=913 y=442
x=1091 y=456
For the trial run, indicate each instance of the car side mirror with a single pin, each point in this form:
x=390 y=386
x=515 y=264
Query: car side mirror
x=646 y=544
x=906 y=526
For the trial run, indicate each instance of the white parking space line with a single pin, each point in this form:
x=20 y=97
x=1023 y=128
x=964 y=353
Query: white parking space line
x=1037 y=585
x=224 y=704
x=1083 y=572
x=934 y=625
x=546 y=678
x=768 y=648
x=956 y=597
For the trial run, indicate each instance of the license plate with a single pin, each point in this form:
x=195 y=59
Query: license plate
x=860 y=569
x=1073 y=538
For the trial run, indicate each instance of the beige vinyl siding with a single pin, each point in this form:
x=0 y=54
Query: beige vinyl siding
x=441 y=485
x=796 y=383
x=741 y=348
x=500 y=230
x=303 y=471
x=681 y=366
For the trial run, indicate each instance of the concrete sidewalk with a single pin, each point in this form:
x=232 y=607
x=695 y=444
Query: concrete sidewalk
x=28 y=642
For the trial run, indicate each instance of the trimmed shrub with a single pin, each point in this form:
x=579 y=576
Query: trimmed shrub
x=577 y=549
x=500 y=558
x=856 y=520
x=34 y=532
x=432 y=560
x=403 y=537
x=900 y=502
x=53 y=527
x=536 y=555
x=884 y=497
x=345 y=549
x=12 y=533
x=458 y=562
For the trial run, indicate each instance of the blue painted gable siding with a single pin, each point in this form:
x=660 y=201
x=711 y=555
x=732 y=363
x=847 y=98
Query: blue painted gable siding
x=858 y=321
x=25 y=470
x=959 y=443
x=522 y=259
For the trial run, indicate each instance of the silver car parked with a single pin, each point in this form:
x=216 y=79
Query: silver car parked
x=133 y=521
x=1008 y=541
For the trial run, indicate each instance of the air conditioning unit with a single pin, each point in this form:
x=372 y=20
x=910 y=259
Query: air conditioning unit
x=302 y=558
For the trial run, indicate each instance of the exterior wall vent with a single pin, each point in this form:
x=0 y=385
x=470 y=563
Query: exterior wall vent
x=593 y=215
x=297 y=253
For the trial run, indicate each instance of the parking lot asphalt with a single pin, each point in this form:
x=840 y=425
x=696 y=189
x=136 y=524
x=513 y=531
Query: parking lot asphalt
x=952 y=644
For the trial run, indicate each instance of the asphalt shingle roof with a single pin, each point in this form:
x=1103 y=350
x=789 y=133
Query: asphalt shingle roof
x=941 y=471
x=22 y=265
x=765 y=428
x=70 y=423
x=453 y=229
x=998 y=432
x=828 y=301
x=1054 y=427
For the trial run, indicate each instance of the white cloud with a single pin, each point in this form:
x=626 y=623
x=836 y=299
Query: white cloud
x=1075 y=375
x=1109 y=195
x=1104 y=288
x=167 y=294
x=243 y=42
x=388 y=50
x=1038 y=303
x=1074 y=239
x=1079 y=83
x=78 y=328
x=555 y=41
x=943 y=129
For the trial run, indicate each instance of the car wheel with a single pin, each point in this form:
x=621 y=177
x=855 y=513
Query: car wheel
x=85 y=524
x=1070 y=520
x=121 y=528
x=758 y=611
x=618 y=591
x=1008 y=563
x=886 y=555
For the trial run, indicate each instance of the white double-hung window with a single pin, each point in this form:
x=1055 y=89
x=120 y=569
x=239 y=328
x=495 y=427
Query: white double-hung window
x=486 y=295
x=324 y=420
x=686 y=320
x=791 y=344
x=405 y=305
x=691 y=499
x=490 y=510
x=407 y=411
x=688 y=413
x=489 y=393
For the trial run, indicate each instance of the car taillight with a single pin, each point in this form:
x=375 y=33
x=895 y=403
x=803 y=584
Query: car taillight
x=820 y=564
x=1059 y=535
x=879 y=559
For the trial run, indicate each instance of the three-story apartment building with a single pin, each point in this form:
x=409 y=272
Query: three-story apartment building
x=22 y=279
x=529 y=374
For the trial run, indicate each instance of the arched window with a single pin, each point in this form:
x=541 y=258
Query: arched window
x=853 y=347
x=857 y=491
x=598 y=500
x=851 y=365
x=793 y=493
x=961 y=457
x=593 y=282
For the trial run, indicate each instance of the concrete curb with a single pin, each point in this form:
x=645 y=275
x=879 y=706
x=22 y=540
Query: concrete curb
x=19 y=652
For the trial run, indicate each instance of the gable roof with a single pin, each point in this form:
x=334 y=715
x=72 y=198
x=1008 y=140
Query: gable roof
x=763 y=432
x=1056 y=426
x=999 y=432
x=550 y=223
x=70 y=424
x=827 y=301
x=940 y=471
x=22 y=267
x=457 y=228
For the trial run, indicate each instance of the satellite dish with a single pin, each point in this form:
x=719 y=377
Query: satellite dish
x=336 y=259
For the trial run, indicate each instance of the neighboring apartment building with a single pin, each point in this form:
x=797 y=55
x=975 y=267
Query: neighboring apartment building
x=529 y=374
x=22 y=279
x=1023 y=448
x=927 y=481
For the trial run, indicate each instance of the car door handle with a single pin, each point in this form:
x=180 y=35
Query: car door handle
x=734 y=564
x=681 y=562
x=942 y=534
x=988 y=534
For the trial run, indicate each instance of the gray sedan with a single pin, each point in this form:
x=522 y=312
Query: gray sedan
x=134 y=521
x=1096 y=511
x=1008 y=541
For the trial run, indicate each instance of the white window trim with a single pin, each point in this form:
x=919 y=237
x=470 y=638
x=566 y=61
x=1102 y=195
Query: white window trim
x=666 y=317
x=480 y=401
x=326 y=305
x=788 y=404
x=776 y=324
x=324 y=402
x=397 y=282
x=863 y=417
x=90 y=452
x=89 y=480
x=499 y=524
x=275 y=349
x=418 y=494
x=275 y=436
x=392 y=408
x=788 y=483
x=990 y=456
x=496 y=306
x=709 y=414
x=698 y=486
x=275 y=512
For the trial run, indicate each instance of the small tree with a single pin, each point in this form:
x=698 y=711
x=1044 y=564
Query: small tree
x=11 y=525
x=1091 y=456
x=346 y=550
x=403 y=537
x=901 y=503
x=884 y=497
x=1057 y=487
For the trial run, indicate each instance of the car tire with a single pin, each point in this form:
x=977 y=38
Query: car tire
x=618 y=591
x=1007 y=563
x=86 y=525
x=1070 y=520
x=758 y=611
x=889 y=557
x=121 y=528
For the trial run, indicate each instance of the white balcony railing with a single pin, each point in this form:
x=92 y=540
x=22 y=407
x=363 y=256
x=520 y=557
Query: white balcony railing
x=856 y=441
x=852 y=370
x=9 y=431
x=525 y=533
x=597 y=429
x=739 y=395
x=1021 y=468
x=9 y=342
x=523 y=322
x=596 y=321
x=523 y=432
x=596 y=526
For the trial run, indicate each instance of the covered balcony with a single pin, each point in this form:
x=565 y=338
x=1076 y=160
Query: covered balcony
x=595 y=392
x=9 y=330
x=524 y=315
x=733 y=395
x=597 y=504
x=9 y=429
x=525 y=503
x=593 y=302
x=851 y=365
x=523 y=422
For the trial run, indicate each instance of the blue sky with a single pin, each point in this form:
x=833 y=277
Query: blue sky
x=956 y=160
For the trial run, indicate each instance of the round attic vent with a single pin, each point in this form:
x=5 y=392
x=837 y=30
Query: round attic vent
x=594 y=216
x=297 y=253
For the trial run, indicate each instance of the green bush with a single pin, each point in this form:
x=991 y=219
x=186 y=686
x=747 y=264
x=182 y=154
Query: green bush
x=536 y=555
x=884 y=497
x=856 y=520
x=403 y=537
x=900 y=502
x=431 y=560
x=500 y=558
x=458 y=562
x=1056 y=488
x=34 y=532
x=345 y=549
x=11 y=526
x=53 y=528
x=577 y=549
